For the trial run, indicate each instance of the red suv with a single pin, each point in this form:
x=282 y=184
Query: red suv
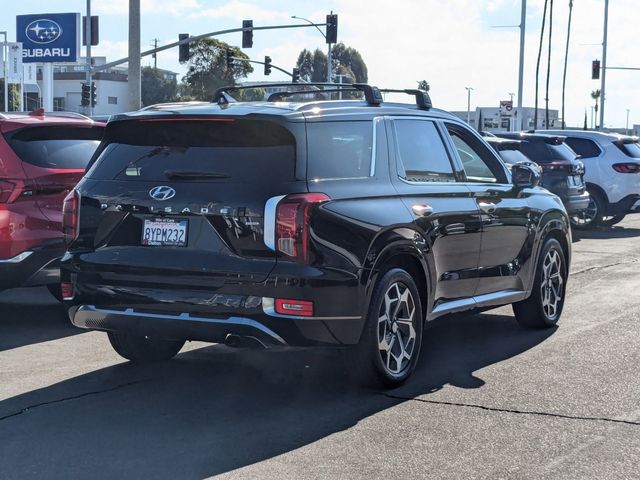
x=42 y=157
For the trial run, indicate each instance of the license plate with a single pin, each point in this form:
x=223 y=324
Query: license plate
x=575 y=181
x=166 y=232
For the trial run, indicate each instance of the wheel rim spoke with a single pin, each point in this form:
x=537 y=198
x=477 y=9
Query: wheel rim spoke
x=552 y=284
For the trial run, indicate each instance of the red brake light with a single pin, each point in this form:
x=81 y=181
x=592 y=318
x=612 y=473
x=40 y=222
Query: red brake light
x=292 y=224
x=627 y=167
x=6 y=189
x=301 y=308
x=71 y=217
x=66 y=289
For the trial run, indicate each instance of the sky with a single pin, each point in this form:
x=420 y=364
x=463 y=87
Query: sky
x=450 y=43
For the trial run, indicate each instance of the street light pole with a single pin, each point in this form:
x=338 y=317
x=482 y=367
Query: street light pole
x=626 y=130
x=469 y=104
x=87 y=39
x=604 y=63
x=523 y=21
x=4 y=69
x=329 y=66
x=134 y=56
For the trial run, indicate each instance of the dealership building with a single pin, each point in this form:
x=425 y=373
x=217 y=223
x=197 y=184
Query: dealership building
x=501 y=119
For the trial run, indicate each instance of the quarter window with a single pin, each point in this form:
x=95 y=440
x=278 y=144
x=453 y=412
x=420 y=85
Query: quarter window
x=583 y=147
x=421 y=152
x=480 y=165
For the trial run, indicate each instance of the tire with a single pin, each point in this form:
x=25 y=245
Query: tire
x=144 y=349
x=55 y=291
x=544 y=306
x=395 y=327
x=594 y=214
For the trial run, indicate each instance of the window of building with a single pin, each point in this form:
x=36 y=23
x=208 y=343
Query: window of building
x=113 y=100
x=59 y=104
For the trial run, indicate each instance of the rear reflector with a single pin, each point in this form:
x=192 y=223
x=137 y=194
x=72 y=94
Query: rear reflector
x=629 y=167
x=301 y=308
x=66 y=289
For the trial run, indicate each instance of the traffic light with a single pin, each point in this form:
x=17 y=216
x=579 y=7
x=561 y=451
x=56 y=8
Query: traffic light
x=295 y=75
x=247 y=33
x=595 y=70
x=332 y=28
x=94 y=94
x=229 y=58
x=183 y=48
x=85 y=98
x=267 y=65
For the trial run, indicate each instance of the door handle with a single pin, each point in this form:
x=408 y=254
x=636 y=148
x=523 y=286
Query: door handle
x=487 y=207
x=422 y=210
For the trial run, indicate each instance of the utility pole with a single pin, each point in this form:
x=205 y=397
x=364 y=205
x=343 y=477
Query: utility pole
x=134 y=56
x=604 y=63
x=5 y=52
x=155 y=55
x=87 y=31
x=626 y=129
x=523 y=21
x=469 y=104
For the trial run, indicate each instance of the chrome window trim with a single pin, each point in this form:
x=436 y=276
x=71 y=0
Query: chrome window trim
x=269 y=219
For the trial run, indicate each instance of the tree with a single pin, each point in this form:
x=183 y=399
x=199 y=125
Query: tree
x=208 y=69
x=346 y=61
x=14 y=97
x=156 y=88
x=424 y=85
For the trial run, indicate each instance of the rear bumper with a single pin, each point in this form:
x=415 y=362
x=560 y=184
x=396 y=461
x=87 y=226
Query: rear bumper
x=576 y=203
x=34 y=267
x=629 y=204
x=266 y=330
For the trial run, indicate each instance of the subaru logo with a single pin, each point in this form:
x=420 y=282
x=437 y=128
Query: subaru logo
x=162 y=192
x=43 y=31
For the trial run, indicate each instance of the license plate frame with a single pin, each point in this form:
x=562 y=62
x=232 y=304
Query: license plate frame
x=575 y=180
x=164 y=232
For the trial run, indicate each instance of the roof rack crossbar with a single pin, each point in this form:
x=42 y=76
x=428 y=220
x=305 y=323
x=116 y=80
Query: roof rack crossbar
x=371 y=94
x=423 y=100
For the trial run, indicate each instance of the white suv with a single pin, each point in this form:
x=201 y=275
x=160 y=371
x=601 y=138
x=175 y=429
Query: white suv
x=612 y=175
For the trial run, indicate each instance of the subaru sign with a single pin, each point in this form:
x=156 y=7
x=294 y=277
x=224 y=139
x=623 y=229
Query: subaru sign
x=49 y=37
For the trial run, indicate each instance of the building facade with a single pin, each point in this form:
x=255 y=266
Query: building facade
x=496 y=119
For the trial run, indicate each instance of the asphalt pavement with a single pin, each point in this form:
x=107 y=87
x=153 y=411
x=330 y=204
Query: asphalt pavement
x=488 y=400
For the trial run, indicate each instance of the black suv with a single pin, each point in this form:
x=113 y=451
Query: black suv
x=307 y=222
x=562 y=171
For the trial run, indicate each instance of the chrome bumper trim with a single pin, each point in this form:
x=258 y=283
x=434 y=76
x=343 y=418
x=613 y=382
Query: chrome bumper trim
x=18 y=258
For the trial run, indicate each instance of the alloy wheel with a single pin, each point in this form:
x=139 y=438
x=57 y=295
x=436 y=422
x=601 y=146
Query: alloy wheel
x=396 y=328
x=552 y=284
x=586 y=216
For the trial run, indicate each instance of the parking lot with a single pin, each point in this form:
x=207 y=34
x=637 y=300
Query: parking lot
x=489 y=399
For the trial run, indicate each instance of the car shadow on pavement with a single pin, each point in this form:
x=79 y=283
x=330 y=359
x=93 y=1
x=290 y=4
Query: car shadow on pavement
x=31 y=315
x=214 y=409
x=606 y=233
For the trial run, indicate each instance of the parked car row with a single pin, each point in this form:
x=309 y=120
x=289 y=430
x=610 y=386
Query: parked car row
x=606 y=165
x=298 y=221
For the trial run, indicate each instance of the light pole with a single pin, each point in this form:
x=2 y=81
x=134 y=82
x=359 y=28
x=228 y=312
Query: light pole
x=4 y=70
x=469 y=104
x=626 y=130
x=604 y=63
x=329 y=72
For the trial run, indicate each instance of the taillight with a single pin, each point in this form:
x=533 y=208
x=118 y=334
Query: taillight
x=629 y=167
x=292 y=224
x=6 y=189
x=71 y=217
x=557 y=166
x=66 y=289
x=301 y=308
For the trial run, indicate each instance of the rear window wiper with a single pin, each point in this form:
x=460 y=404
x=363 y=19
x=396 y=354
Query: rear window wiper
x=193 y=174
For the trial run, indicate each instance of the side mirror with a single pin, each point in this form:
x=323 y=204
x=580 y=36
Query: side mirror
x=525 y=174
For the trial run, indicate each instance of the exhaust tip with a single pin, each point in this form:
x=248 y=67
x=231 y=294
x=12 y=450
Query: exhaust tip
x=236 y=341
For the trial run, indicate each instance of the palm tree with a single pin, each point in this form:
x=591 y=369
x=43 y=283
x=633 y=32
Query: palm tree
x=596 y=96
x=566 y=58
x=544 y=19
x=546 y=98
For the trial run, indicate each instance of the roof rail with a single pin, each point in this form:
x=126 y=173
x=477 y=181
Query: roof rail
x=41 y=113
x=3 y=116
x=423 y=100
x=371 y=94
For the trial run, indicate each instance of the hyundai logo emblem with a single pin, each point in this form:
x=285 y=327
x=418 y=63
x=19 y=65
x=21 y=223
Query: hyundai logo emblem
x=162 y=192
x=43 y=31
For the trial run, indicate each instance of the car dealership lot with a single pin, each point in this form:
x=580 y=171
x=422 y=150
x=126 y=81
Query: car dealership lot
x=488 y=399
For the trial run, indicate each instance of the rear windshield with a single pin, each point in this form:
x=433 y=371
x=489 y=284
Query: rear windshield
x=196 y=150
x=56 y=146
x=511 y=157
x=542 y=152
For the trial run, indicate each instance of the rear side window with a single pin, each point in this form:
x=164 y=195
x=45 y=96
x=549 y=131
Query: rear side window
x=421 y=152
x=196 y=150
x=542 y=152
x=630 y=149
x=339 y=149
x=511 y=157
x=584 y=147
x=56 y=146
